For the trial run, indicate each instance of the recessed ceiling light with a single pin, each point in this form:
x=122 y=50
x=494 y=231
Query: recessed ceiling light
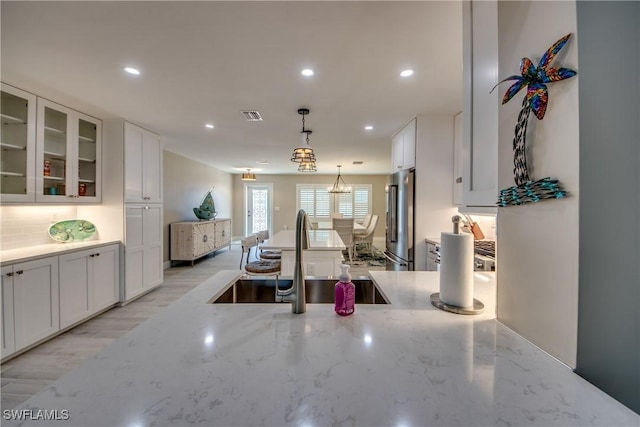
x=132 y=70
x=307 y=72
x=209 y=125
x=368 y=127
x=406 y=73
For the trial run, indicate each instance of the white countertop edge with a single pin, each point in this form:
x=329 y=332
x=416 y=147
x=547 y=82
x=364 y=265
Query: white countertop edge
x=31 y=253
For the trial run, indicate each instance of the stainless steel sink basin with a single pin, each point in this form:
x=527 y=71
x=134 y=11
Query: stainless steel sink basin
x=317 y=290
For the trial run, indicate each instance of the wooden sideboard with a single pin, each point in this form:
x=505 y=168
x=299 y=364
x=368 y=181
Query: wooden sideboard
x=191 y=240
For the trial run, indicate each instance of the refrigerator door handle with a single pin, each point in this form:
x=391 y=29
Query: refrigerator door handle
x=393 y=210
x=401 y=264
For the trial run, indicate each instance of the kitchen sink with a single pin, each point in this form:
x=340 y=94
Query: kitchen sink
x=317 y=290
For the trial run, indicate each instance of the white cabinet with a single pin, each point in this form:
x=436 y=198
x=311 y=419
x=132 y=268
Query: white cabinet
x=191 y=240
x=480 y=107
x=403 y=148
x=143 y=249
x=143 y=165
x=457 y=160
x=6 y=303
x=35 y=301
x=67 y=155
x=88 y=283
x=18 y=144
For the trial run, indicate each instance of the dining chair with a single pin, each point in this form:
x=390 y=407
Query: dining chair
x=367 y=238
x=336 y=215
x=260 y=267
x=367 y=220
x=344 y=228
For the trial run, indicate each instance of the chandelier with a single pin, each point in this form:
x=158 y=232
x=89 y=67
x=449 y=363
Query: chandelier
x=339 y=187
x=305 y=153
x=248 y=176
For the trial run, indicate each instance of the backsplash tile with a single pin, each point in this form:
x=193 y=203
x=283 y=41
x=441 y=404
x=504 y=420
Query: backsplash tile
x=23 y=226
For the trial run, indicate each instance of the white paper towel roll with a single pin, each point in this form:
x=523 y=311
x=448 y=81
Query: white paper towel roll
x=456 y=269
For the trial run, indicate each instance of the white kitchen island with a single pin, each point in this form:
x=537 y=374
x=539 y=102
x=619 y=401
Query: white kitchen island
x=402 y=364
x=323 y=258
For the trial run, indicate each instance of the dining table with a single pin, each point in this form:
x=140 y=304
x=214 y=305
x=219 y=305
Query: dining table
x=328 y=225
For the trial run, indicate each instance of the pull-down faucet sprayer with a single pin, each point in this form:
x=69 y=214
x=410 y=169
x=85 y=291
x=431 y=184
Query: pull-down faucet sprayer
x=296 y=294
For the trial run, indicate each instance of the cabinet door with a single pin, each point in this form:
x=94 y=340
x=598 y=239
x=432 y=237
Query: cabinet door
x=397 y=152
x=134 y=248
x=152 y=184
x=106 y=275
x=6 y=302
x=54 y=165
x=35 y=300
x=133 y=158
x=143 y=249
x=223 y=233
x=143 y=165
x=76 y=296
x=409 y=145
x=152 y=236
x=480 y=107
x=88 y=159
x=18 y=145
x=204 y=238
x=457 y=159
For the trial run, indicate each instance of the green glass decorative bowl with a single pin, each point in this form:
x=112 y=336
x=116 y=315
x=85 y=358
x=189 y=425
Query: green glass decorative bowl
x=72 y=230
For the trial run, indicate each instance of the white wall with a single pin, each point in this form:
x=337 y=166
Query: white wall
x=434 y=182
x=538 y=242
x=185 y=184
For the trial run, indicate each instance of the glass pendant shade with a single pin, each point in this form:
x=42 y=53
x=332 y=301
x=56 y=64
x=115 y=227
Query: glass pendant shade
x=339 y=187
x=307 y=167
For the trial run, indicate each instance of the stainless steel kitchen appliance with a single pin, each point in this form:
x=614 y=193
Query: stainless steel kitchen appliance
x=399 y=226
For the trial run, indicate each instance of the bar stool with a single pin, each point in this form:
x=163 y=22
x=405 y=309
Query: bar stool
x=260 y=267
x=267 y=255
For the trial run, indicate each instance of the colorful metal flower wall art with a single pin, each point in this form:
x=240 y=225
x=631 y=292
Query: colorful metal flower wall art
x=536 y=79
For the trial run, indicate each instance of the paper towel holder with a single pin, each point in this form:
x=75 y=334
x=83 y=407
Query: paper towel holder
x=477 y=308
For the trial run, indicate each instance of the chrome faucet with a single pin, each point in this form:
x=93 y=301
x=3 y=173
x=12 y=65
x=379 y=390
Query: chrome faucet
x=296 y=294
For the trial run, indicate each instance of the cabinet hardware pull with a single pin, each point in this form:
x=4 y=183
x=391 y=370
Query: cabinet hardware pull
x=146 y=207
x=10 y=274
x=205 y=238
x=98 y=254
x=458 y=180
x=19 y=271
x=92 y=255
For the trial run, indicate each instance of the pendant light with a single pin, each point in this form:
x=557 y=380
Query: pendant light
x=305 y=152
x=339 y=187
x=307 y=167
x=248 y=176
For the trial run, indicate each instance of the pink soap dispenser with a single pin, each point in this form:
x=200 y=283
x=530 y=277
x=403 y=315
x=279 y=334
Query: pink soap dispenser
x=345 y=293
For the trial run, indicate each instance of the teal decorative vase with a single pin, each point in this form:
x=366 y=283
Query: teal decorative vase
x=207 y=209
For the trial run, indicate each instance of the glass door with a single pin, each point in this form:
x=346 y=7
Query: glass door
x=53 y=167
x=258 y=208
x=87 y=149
x=17 y=142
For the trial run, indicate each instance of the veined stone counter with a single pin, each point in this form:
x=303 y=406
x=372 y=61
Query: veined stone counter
x=406 y=363
x=30 y=253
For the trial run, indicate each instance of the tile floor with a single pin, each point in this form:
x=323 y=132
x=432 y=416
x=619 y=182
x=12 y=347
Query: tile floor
x=27 y=374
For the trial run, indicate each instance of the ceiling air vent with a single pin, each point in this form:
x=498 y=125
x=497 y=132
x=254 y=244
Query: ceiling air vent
x=358 y=162
x=252 y=115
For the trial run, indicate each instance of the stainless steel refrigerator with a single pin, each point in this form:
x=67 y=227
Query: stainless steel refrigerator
x=399 y=233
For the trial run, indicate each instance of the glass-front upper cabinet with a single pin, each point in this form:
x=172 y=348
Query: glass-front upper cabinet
x=67 y=161
x=17 y=145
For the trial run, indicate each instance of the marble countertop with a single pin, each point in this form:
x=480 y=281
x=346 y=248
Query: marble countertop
x=402 y=364
x=52 y=249
x=319 y=240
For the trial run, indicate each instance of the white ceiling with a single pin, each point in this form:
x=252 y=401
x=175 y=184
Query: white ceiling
x=203 y=62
